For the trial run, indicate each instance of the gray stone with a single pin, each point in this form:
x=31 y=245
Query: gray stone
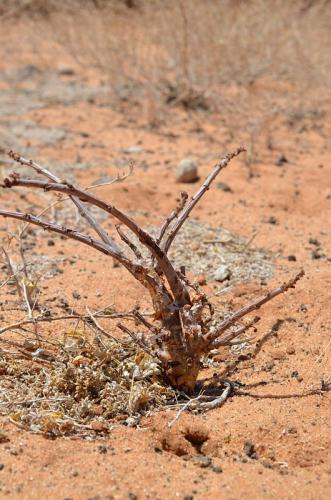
x=222 y=273
x=187 y=171
x=202 y=461
x=131 y=150
x=65 y=70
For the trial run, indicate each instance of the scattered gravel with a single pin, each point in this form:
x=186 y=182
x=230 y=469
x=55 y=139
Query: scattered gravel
x=213 y=252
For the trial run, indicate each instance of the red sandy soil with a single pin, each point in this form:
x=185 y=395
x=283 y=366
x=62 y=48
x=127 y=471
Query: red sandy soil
x=290 y=431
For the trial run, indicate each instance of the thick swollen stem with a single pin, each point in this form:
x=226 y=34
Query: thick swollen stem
x=182 y=370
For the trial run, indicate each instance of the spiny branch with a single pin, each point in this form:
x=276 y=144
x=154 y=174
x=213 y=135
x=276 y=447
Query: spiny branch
x=49 y=319
x=137 y=340
x=169 y=235
x=180 y=205
x=137 y=270
x=213 y=335
x=228 y=338
x=144 y=321
x=70 y=233
x=177 y=287
x=81 y=207
x=129 y=243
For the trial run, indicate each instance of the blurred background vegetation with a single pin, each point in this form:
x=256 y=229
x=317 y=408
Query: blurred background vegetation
x=248 y=60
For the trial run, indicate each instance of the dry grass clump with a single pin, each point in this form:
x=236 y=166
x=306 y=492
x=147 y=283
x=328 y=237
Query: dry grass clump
x=185 y=52
x=253 y=62
x=83 y=386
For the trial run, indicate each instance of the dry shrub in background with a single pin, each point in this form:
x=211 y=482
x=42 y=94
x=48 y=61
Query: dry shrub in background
x=252 y=61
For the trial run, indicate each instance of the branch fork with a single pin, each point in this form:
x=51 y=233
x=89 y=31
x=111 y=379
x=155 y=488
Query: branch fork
x=183 y=333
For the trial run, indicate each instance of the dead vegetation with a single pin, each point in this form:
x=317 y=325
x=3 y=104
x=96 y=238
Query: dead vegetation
x=184 y=329
x=83 y=384
x=153 y=59
x=160 y=66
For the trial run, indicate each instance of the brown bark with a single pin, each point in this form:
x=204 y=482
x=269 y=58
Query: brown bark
x=183 y=334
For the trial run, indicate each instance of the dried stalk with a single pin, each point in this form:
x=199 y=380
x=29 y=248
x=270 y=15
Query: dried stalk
x=183 y=333
x=81 y=207
x=12 y=273
x=49 y=319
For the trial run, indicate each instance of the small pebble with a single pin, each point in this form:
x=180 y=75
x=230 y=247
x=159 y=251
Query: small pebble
x=281 y=160
x=224 y=187
x=315 y=255
x=272 y=220
x=249 y=449
x=65 y=70
x=222 y=273
x=202 y=461
x=133 y=150
x=187 y=171
x=278 y=354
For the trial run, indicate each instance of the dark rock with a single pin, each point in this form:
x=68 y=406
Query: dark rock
x=272 y=220
x=202 y=461
x=249 y=449
x=217 y=469
x=281 y=160
x=224 y=187
x=315 y=255
x=314 y=241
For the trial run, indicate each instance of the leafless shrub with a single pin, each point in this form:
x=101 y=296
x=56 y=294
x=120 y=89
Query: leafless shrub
x=184 y=330
x=201 y=46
